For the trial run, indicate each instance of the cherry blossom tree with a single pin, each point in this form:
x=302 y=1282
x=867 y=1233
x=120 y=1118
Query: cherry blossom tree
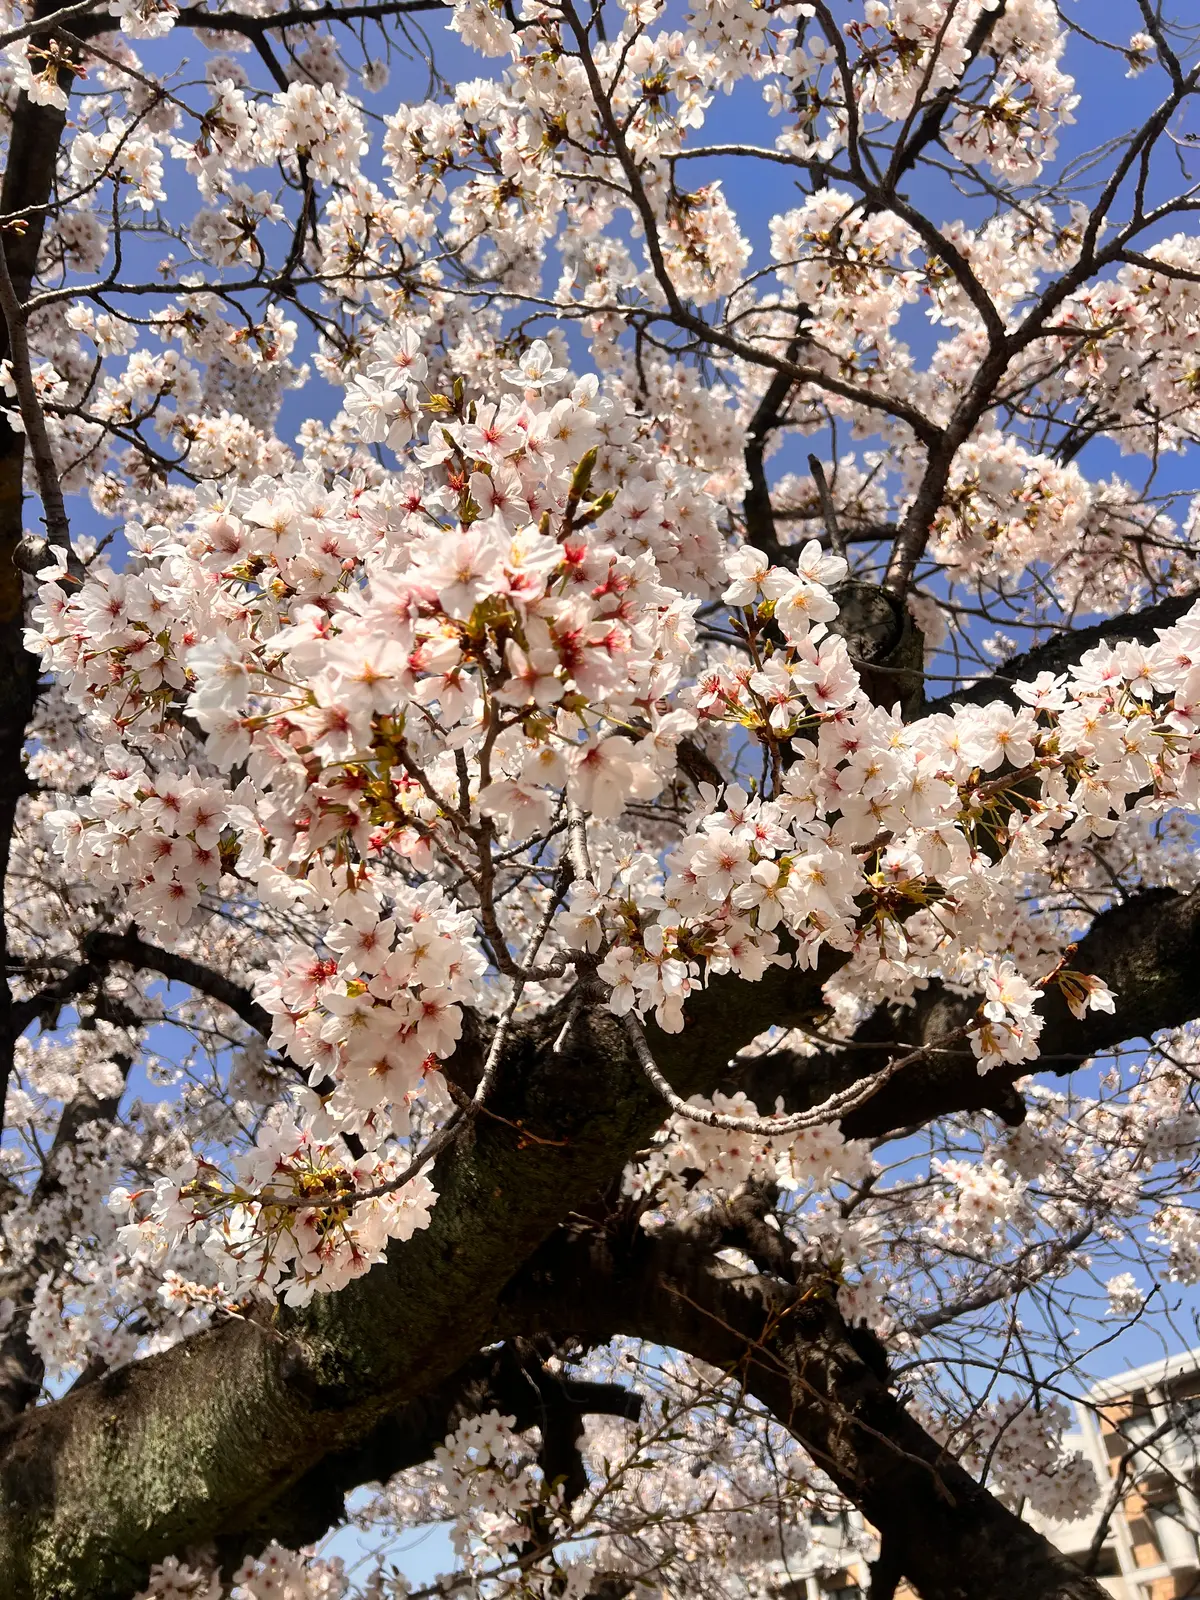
x=599 y=744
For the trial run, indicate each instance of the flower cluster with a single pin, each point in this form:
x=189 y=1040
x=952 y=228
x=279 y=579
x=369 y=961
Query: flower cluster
x=694 y=1160
x=1031 y=1462
x=276 y=1574
x=300 y=1216
x=489 y=1482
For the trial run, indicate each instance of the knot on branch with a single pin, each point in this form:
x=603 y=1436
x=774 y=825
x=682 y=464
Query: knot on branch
x=885 y=645
x=32 y=554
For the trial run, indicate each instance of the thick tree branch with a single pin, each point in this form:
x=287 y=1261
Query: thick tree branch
x=757 y=510
x=827 y=1383
x=21 y=1366
x=27 y=186
x=202 y=1439
x=1065 y=650
x=1146 y=949
x=128 y=949
x=54 y=511
x=511 y=1379
x=46 y=1004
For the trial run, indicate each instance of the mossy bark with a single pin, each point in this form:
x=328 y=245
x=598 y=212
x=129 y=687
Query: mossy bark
x=198 y=1441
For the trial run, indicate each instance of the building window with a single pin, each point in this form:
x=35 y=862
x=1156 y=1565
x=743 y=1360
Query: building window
x=1133 y=1428
x=841 y=1588
x=1108 y=1563
x=1173 y=1537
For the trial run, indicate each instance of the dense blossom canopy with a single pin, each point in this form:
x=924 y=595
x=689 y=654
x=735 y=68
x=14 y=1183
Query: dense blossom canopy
x=592 y=690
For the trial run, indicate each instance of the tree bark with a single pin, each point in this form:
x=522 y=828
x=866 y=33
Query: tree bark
x=26 y=189
x=510 y=1379
x=255 y=1428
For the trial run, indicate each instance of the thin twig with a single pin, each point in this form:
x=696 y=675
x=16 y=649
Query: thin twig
x=830 y=1110
x=41 y=24
x=828 y=510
